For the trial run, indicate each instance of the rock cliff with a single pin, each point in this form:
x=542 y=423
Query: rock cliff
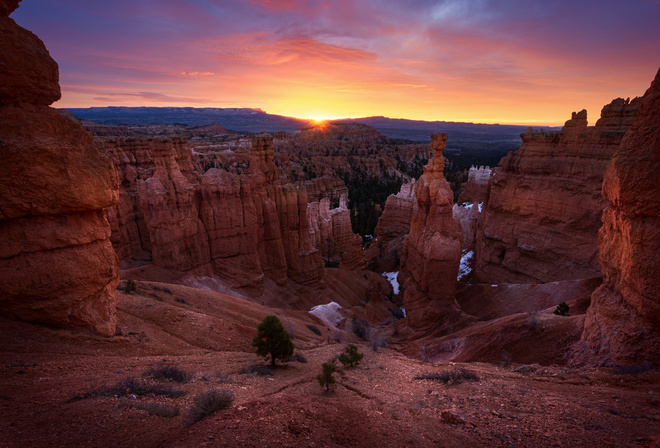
x=432 y=249
x=541 y=220
x=622 y=325
x=57 y=264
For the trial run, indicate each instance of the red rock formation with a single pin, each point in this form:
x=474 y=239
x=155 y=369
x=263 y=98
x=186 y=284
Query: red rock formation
x=467 y=217
x=433 y=248
x=542 y=217
x=393 y=225
x=397 y=214
x=325 y=187
x=332 y=234
x=477 y=185
x=57 y=265
x=238 y=225
x=623 y=323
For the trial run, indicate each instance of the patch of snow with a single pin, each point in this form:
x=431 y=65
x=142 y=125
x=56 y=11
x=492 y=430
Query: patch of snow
x=403 y=310
x=467 y=205
x=466 y=264
x=391 y=277
x=481 y=206
x=328 y=313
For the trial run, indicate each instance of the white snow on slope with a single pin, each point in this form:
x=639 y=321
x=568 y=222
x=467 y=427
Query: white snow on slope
x=391 y=277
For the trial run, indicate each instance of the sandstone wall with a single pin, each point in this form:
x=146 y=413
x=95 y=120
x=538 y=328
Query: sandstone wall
x=623 y=322
x=432 y=252
x=57 y=264
x=541 y=220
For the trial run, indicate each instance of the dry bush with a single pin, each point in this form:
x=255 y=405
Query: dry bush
x=170 y=373
x=456 y=376
x=132 y=386
x=360 y=328
x=258 y=369
x=207 y=403
x=156 y=409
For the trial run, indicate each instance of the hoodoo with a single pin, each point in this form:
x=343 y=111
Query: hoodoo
x=432 y=250
x=57 y=264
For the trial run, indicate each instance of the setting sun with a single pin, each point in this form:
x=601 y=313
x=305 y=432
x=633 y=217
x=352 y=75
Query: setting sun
x=516 y=63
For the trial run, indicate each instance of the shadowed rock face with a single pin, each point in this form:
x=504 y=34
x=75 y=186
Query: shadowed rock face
x=432 y=250
x=541 y=220
x=623 y=323
x=57 y=265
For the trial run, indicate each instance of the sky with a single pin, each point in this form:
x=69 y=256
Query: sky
x=483 y=61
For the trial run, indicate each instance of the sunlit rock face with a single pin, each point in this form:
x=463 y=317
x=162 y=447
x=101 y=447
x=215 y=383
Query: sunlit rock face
x=544 y=208
x=622 y=325
x=432 y=252
x=57 y=264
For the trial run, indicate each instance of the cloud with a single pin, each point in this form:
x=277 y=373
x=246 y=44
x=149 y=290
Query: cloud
x=146 y=96
x=433 y=59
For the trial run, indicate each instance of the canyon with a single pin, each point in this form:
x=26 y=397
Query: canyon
x=217 y=229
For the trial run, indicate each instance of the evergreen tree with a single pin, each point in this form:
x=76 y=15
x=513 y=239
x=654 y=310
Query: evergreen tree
x=272 y=339
x=351 y=356
x=326 y=379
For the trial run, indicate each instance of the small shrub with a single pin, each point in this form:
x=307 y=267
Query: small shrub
x=170 y=373
x=296 y=357
x=456 y=376
x=351 y=356
x=273 y=340
x=326 y=379
x=156 y=409
x=129 y=286
x=377 y=342
x=258 y=369
x=132 y=386
x=314 y=329
x=209 y=402
x=360 y=328
x=180 y=300
x=223 y=378
x=562 y=309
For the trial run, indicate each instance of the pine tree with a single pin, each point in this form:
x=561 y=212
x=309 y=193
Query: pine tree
x=326 y=379
x=272 y=339
x=351 y=356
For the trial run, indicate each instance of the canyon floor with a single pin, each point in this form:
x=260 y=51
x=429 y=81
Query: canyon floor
x=48 y=379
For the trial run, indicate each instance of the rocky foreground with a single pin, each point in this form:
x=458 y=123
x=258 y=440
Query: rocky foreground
x=45 y=375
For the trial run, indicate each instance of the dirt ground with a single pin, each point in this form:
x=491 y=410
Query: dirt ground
x=50 y=381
